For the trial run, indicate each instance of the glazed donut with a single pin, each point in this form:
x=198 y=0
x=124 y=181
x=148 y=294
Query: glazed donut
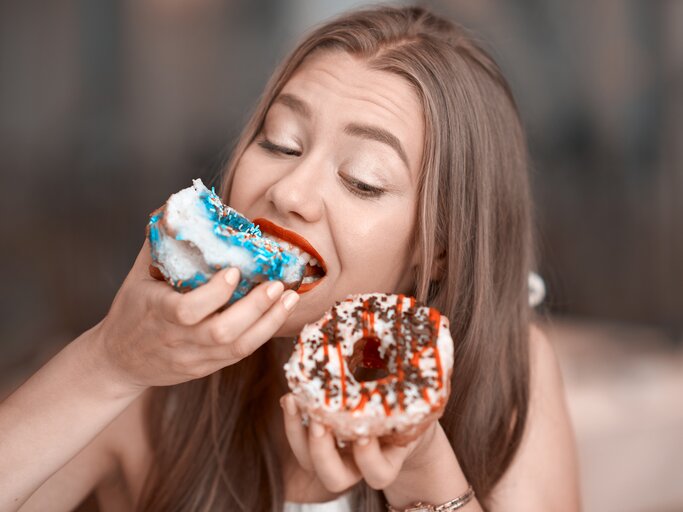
x=194 y=235
x=373 y=365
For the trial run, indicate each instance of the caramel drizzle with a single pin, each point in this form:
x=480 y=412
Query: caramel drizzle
x=368 y=327
x=301 y=351
x=400 y=395
x=327 y=372
x=342 y=376
x=435 y=319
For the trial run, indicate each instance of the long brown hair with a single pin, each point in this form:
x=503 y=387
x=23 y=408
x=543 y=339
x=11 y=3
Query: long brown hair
x=212 y=439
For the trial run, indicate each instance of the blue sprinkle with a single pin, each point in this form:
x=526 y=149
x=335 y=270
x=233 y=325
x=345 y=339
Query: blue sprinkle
x=234 y=230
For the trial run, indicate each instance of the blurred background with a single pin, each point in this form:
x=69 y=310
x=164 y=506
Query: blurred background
x=109 y=106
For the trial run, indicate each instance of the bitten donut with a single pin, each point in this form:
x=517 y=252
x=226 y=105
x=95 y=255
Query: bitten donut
x=194 y=235
x=373 y=365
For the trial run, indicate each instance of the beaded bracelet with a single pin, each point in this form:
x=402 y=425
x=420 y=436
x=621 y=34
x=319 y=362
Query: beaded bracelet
x=449 y=506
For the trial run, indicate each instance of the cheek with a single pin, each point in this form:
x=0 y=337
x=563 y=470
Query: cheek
x=376 y=252
x=246 y=186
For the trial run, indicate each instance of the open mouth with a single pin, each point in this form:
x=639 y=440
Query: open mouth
x=315 y=269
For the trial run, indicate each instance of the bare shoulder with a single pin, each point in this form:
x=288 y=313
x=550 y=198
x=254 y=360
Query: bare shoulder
x=544 y=473
x=128 y=429
x=128 y=443
x=103 y=465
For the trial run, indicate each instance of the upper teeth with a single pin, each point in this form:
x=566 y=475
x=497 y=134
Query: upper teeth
x=302 y=255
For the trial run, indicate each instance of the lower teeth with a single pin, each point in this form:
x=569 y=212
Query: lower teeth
x=310 y=279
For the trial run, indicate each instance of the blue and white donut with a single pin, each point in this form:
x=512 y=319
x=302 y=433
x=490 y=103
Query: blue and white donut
x=194 y=235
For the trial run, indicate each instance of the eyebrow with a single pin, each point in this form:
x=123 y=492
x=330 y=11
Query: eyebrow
x=364 y=131
x=378 y=134
x=294 y=103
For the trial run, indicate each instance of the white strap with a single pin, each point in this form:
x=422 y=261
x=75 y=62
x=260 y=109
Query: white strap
x=341 y=504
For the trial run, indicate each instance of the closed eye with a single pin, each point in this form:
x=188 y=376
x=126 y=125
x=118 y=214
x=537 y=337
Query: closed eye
x=356 y=187
x=360 y=188
x=276 y=148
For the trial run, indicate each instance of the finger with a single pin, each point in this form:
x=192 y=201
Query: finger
x=227 y=326
x=266 y=326
x=396 y=455
x=336 y=473
x=144 y=258
x=379 y=466
x=194 y=306
x=295 y=431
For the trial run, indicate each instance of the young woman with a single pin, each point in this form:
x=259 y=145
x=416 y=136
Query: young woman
x=391 y=142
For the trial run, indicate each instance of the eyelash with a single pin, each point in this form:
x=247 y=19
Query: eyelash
x=360 y=189
x=356 y=187
x=274 y=148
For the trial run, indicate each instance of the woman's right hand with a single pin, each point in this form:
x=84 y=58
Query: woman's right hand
x=156 y=336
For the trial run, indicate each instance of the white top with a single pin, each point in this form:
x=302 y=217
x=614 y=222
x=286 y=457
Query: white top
x=536 y=289
x=341 y=504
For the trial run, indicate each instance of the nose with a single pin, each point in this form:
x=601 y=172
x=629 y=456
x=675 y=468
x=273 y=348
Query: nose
x=299 y=191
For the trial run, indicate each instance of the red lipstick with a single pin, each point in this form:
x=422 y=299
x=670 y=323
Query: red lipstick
x=293 y=238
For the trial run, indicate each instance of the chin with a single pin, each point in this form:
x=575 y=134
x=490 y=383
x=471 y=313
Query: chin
x=287 y=331
x=302 y=315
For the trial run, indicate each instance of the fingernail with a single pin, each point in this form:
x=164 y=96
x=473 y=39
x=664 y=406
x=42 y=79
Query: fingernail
x=290 y=299
x=274 y=289
x=363 y=441
x=232 y=276
x=317 y=429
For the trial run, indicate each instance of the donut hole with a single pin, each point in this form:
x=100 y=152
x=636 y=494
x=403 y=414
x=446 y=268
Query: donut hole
x=365 y=362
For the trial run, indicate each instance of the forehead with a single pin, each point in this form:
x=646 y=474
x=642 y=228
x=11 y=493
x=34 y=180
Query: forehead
x=343 y=89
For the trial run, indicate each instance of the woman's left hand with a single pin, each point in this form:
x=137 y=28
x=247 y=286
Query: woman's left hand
x=316 y=451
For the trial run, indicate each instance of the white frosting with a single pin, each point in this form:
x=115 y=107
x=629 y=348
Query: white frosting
x=344 y=414
x=191 y=222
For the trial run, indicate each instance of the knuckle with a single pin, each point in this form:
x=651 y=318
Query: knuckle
x=220 y=333
x=377 y=483
x=173 y=343
x=334 y=485
x=165 y=304
x=180 y=365
x=197 y=372
x=240 y=349
x=184 y=314
x=384 y=479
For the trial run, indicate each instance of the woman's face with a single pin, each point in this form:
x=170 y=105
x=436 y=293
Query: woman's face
x=337 y=162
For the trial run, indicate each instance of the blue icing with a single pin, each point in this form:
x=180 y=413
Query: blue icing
x=233 y=229
x=153 y=228
x=198 y=279
x=242 y=289
x=224 y=215
x=236 y=230
x=154 y=235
